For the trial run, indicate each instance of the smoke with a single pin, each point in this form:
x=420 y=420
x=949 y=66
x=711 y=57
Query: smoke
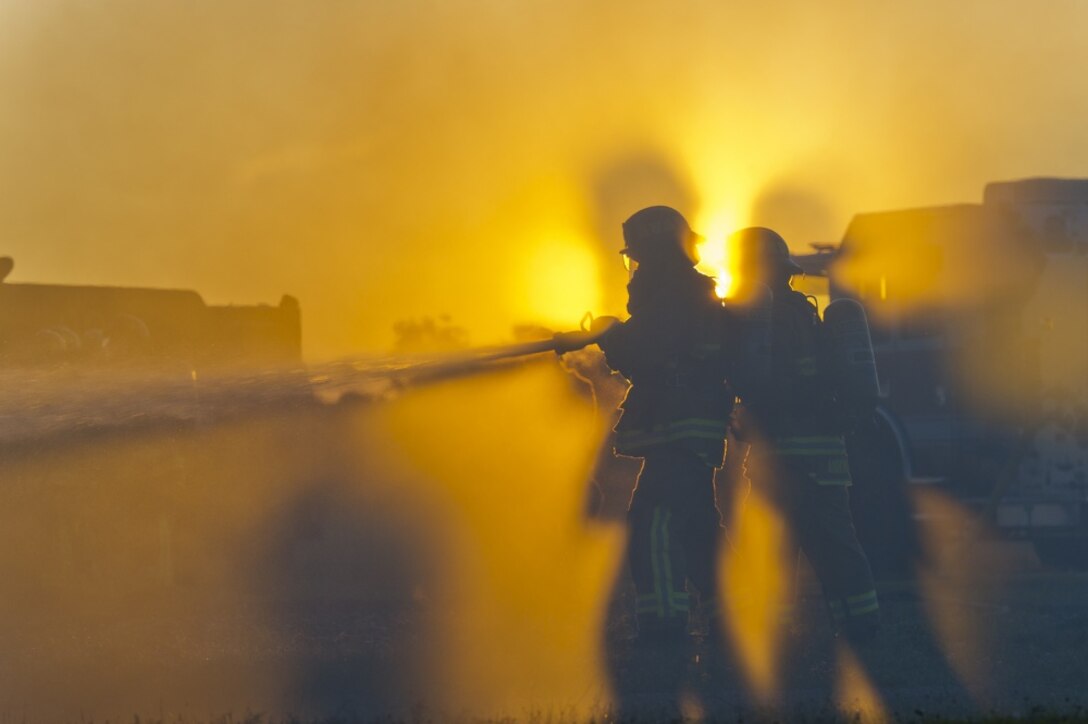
x=792 y=210
x=757 y=590
x=622 y=186
x=391 y=161
x=510 y=460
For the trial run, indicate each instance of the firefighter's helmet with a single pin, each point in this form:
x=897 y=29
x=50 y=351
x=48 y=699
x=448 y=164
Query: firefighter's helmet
x=762 y=252
x=658 y=233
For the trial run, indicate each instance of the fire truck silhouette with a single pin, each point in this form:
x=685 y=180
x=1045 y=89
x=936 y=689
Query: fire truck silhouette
x=979 y=321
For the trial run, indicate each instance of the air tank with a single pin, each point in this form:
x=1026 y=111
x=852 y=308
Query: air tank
x=853 y=366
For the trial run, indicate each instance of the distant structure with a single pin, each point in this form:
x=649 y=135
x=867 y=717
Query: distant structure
x=42 y=323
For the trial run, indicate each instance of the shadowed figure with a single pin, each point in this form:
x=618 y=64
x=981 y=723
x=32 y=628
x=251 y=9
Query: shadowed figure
x=796 y=433
x=674 y=349
x=345 y=574
x=819 y=390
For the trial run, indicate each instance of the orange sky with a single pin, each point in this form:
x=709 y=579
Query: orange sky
x=383 y=161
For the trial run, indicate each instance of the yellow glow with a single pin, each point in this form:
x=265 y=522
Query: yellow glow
x=506 y=459
x=691 y=709
x=714 y=257
x=857 y=698
x=755 y=586
x=559 y=281
x=952 y=577
x=403 y=205
x=717 y=223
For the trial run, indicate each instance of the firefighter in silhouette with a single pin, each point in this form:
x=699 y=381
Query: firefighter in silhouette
x=796 y=429
x=673 y=350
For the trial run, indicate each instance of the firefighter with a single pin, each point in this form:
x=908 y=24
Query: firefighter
x=673 y=351
x=796 y=429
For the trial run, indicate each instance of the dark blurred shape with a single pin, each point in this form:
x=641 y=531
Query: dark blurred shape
x=254 y=333
x=6 y=265
x=853 y=365
x=346 y=578
x=979 y=314
x=656 y=233
x=791 y=209
x=763 y=254
x=675 y=348
x=261 y=561
x=619 y=187
x=1036 y=191
x=798 y=457
x=952 y=258
x=46 y=322
x=429 y=334
x=1052 y=207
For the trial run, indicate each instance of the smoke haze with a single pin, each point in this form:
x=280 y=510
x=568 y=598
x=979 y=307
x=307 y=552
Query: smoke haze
x=384 y=161
x=431 y=551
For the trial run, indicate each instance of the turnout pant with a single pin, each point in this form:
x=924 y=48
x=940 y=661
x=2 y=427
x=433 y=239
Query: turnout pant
x=675 y=530
x=817 y=515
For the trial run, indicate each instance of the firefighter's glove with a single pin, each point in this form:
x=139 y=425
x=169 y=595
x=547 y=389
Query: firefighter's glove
x=564 y=342
x=571 y=341
x=600 y=326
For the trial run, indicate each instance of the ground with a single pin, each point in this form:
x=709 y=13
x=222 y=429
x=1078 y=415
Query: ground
x=348 y=658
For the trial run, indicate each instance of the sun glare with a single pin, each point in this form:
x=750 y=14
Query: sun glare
x=754 y=589
x=714 y=257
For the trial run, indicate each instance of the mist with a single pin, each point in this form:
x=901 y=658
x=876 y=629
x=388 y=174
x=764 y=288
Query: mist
x=431 y=553
x=386 y=161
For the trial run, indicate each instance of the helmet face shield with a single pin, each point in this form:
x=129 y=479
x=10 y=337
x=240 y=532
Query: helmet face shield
x=629 y=263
